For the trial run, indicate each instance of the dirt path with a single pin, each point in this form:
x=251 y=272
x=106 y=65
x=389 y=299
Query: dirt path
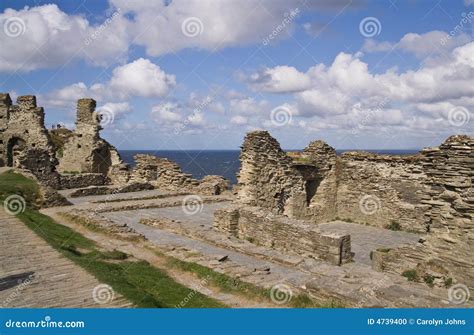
x=141 y=250
x=34 y=274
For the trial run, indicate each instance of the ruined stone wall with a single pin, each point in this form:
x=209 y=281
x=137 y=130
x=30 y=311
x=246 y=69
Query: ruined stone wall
x=445 y=254
x=381 y=190
x=279 y=232
x=24 y=140
x=267 y=178
x=167 y=175
x=317 y=164
x=85 y=151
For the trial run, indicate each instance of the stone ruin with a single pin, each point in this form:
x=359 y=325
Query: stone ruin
x=167 y=175
x=429 y=193
x=85 y=151
x=64 y=159
x=24 y=140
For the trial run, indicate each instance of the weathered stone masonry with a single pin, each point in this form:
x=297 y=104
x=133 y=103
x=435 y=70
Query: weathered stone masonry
x=430 y=193
x=24 y=140
x=85 y=151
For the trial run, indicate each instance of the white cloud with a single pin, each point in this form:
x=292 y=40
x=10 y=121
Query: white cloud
x=44 y=37
x=247 y=106
x=167 y=112
x=141 y=78
x=280 y=79
x=347 y=94
x=239 y=120
x=50 y=37
x=432 y=43
x=117 y=109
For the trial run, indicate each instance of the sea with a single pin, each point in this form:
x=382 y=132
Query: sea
x=219 y=162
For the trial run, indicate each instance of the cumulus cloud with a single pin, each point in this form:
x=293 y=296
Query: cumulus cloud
x=280 y=79
x=346 y=93
x=140 y=78
x=231 y=23
x=44 y=37
x=432 y=43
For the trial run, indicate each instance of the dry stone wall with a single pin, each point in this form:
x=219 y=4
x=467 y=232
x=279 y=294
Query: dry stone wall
x=282 y=233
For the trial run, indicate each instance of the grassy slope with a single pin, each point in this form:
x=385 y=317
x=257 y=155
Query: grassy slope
x=138 y=281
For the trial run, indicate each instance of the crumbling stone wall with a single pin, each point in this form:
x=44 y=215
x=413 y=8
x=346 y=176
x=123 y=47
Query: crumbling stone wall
x=167 y=175
x=381 y=190
x=85 y=151
x=24 y=140
x=317 y=165
x=267 y=178
x=445 y=254
x=282 y=233
x=319 y=186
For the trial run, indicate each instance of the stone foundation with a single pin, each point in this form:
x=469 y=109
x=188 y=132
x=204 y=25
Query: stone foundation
x=281 y=233
x=82 y=180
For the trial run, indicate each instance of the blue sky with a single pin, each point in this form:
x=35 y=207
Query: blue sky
x=200 y=74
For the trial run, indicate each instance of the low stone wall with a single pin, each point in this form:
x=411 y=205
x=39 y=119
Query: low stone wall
x=103 y=190
x=82 y=180
x=284 y=234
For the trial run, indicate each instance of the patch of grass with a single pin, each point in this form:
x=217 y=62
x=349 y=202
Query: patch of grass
x=429 y=280
x=448 y=282
x=12 y=183
x=237 y=286
x=411 y=275
x=394 y=225
x=139 y=282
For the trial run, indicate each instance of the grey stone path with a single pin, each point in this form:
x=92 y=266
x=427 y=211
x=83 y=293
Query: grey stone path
x=364 y=239
x=33 y=274
x=279 y=273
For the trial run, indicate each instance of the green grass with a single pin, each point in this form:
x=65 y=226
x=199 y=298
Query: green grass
x=411 y=275
x=138 y=281
x=236 y=286
x=394 y=225
x=12 y=183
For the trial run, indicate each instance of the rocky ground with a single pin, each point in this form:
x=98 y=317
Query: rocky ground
x=170 y=228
